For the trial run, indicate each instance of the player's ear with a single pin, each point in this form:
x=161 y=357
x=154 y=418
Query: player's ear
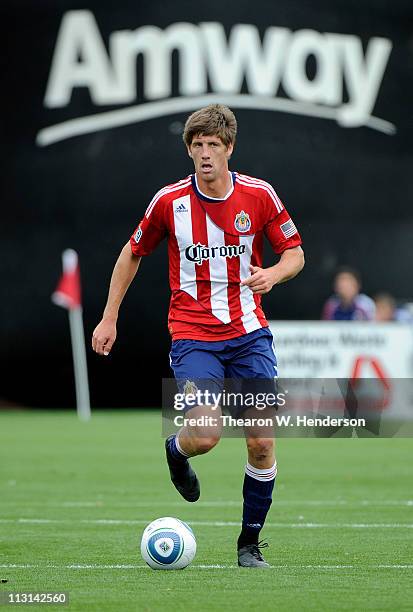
x=230 y=149
x=189 y=151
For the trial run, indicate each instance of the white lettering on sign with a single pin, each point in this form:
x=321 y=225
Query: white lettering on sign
x=207 y=55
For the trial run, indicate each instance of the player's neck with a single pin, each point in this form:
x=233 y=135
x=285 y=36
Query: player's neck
x=218 y=188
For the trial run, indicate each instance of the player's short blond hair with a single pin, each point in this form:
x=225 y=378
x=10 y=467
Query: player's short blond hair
x=213 y=120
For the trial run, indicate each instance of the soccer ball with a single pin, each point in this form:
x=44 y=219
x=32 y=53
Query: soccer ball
x=168 y=543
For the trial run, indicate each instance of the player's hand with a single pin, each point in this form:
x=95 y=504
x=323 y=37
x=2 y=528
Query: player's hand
x=104 y=337
x=261 y=280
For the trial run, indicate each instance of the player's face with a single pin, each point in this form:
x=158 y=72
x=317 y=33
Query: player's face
x=210 y=157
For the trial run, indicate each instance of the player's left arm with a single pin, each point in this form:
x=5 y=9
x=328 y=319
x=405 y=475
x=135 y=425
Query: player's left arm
x=262 y=280
x=285 y=241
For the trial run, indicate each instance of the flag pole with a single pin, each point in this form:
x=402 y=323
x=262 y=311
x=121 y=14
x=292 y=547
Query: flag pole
x=77 y=335
x=68 y=296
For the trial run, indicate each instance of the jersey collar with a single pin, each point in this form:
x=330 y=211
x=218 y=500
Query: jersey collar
x=206 y=198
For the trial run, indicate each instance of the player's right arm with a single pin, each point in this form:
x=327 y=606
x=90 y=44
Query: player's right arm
x=149 y=233
x=123 y=274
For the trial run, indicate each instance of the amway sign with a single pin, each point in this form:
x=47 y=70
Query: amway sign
x=206 y=55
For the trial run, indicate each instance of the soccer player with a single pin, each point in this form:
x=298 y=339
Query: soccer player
x=215 y=222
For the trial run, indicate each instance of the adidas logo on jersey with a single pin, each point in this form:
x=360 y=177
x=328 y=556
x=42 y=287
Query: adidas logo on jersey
x=181 y=208
x=198 y=253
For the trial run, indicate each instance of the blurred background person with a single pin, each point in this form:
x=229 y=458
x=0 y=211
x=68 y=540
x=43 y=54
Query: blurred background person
x=387 y=309
x=347 y=303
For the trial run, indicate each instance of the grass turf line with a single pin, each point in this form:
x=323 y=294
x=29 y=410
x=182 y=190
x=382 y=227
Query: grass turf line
x=54 y=467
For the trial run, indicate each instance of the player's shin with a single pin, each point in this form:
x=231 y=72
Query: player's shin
x=257 y=493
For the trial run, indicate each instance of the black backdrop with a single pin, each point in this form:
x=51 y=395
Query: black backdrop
x=348 y=189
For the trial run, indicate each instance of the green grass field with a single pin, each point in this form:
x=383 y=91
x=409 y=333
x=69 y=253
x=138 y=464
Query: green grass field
x=75 y=497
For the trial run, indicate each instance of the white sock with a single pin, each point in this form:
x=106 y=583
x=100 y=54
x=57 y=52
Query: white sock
x=263 y=475
x=179 y=448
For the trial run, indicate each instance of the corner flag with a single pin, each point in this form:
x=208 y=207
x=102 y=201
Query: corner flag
x=68 y=295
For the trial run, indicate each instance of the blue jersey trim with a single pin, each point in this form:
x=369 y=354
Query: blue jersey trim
x=202 y=196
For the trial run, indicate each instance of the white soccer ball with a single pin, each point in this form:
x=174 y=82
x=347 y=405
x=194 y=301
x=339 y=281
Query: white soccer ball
x=168 y=543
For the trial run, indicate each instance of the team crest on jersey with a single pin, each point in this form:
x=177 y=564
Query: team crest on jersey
x=242 y=222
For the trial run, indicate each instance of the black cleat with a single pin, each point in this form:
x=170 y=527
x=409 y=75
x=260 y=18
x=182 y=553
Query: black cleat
x=183 y=476
x=250 y=555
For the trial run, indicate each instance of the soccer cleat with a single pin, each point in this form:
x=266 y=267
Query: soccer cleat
x=183 y=476
x=250 y=555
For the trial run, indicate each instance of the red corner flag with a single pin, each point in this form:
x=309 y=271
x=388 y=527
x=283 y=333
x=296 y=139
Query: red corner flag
x=68 y=295
x=67 y=292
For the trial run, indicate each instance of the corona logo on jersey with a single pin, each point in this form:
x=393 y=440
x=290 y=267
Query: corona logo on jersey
x=242 y=222
x=212 y=68
x=197 y=253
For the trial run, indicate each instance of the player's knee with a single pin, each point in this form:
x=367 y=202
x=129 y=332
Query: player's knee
x=260 y=448
x=206 y=443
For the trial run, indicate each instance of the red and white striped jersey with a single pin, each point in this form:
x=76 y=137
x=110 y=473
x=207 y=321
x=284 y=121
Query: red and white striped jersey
x=211 y=244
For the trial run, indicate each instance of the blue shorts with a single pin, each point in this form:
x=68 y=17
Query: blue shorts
x=247 y=360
